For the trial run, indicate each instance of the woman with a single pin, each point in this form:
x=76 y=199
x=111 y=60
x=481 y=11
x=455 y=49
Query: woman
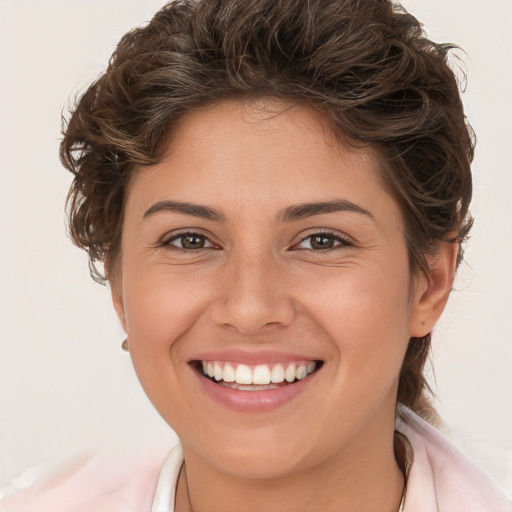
x=278 y=193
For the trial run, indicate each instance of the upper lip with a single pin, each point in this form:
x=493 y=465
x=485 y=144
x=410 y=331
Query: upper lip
x=253 y=357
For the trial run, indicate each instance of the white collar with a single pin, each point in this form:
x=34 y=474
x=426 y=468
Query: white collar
x=440 y=477
x=166 y=486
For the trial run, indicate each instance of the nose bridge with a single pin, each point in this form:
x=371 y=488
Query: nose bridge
x=252 y=293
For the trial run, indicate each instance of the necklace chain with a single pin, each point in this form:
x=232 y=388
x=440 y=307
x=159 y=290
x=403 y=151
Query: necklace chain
x=402 y=501
x=405 y=469
x=400 y=508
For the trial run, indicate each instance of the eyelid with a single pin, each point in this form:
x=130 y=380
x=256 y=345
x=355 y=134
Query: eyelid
x=344 y=240
x=176 y=235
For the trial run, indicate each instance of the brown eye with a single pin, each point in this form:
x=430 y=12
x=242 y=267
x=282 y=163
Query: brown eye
x=189 y=241
x=192 y=241
x=323 y=242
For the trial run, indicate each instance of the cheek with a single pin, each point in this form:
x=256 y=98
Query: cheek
x=366 y=315
x=359 y=299
x=160 y=309
x=160 y=306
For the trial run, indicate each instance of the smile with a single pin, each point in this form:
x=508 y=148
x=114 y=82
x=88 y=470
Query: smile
x=239 y=377
x=255 y=382
x=258 y=377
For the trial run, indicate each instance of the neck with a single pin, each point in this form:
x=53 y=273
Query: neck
x=364 y=478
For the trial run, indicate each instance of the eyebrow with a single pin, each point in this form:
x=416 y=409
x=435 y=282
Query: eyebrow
x=302 y=211
x=292 y=213
x=196 y=210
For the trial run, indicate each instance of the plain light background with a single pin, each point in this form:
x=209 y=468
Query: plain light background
x=64 y=382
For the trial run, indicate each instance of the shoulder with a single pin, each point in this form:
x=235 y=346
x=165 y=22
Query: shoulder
x=441 y=478
x=93 y=482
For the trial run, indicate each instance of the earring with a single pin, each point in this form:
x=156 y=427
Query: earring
x=124 y=345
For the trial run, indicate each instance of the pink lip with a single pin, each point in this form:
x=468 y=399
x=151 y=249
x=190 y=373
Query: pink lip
x=252 y=357
x=254 y=401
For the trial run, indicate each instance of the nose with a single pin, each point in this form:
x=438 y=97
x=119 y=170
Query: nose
x=253 y=296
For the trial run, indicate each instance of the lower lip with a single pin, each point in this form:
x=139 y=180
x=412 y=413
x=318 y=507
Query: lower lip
x=254 y=401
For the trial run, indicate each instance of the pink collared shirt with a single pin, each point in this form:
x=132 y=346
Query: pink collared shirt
x=440 y=479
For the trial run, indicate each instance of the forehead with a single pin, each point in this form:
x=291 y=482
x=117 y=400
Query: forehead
x=253 y=149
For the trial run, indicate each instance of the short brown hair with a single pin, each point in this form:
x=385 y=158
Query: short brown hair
x=366 y=65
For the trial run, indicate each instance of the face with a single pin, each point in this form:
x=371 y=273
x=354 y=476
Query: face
x=263 y=254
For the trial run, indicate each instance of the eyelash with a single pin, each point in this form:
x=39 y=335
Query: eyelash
x=342 y=241
x=168 y=242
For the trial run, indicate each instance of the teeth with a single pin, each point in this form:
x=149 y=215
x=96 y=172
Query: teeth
x=301 y=372
x=260 y=376
x=243 y=374
x=243 y=387
x=217 y=371
x=229 y=373
x=277 y=374
x=289 y=373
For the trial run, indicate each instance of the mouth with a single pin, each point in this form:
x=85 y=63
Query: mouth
x=260 y=377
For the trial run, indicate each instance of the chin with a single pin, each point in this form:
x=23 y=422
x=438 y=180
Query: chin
x=259 y=464
x=260 y=453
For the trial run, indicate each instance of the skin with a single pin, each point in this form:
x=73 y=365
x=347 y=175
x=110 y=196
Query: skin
x=259 y=284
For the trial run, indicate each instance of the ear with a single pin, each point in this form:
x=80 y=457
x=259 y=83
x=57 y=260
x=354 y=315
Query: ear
x=432 y=290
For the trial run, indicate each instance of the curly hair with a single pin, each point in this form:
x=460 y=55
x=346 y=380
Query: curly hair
x=367 y=66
